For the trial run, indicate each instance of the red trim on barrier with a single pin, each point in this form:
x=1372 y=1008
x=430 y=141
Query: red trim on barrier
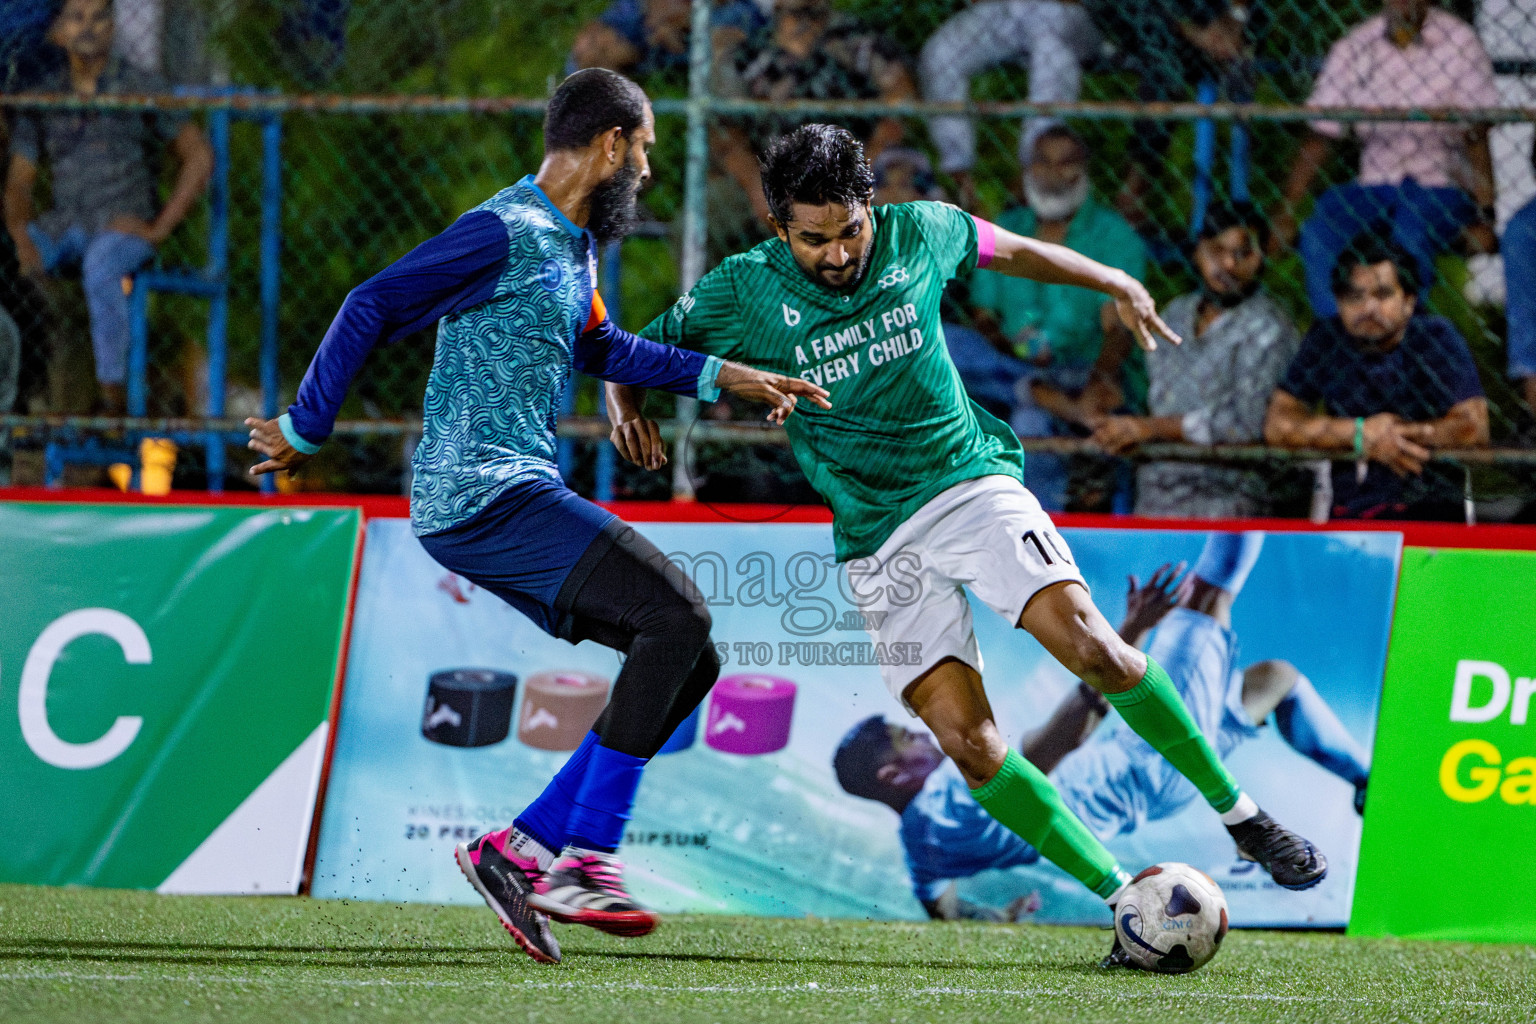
x=333 y=716
x=376 y=506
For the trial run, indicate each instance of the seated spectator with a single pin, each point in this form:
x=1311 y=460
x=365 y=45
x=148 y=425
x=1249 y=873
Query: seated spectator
x=1413 y=175
x=1215 y=387
x=1173 y=46
x=645 y=37
x=1392 y=387
x=1082 y=362
x=103 y=219
x=1519 y=246
x=807 y=53
x=1055 y=38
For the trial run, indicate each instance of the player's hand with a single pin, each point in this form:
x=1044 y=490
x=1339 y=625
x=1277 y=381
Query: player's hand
x=1391 y=442
x=267 y=438
x=1118 y=434
x=1139 y=314
x=1146 y=604
x=639 y=441
x=771 y=389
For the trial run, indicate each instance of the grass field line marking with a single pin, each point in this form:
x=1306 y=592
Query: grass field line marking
x=817 y=989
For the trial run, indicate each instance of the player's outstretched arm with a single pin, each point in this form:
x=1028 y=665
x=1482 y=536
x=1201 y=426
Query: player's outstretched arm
x=1018 y=256
x=638 y=439
x=452 y=271
x=775 y=390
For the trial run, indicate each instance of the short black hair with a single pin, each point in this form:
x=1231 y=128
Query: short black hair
x=816 y=164
x=863 y=752
x=589 y=103
x=1368 y=248
x=1223 y=217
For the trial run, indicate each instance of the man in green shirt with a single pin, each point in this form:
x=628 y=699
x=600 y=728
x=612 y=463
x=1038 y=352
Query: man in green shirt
x=1084 y=363
x=926 y=488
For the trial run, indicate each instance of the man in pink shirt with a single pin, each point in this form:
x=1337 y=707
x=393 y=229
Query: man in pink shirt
x=1429 y=183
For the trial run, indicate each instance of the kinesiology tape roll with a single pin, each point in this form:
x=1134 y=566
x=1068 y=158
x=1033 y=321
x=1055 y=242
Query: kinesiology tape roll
x=683 y=736
x=560 y=707
x=468 y=707
x=750 y=714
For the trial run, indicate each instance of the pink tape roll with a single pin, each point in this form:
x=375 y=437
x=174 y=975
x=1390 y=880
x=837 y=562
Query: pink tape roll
x=559 y=708
x=750 y=714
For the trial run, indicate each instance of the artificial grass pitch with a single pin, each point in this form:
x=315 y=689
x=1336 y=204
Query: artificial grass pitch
x=91 y=954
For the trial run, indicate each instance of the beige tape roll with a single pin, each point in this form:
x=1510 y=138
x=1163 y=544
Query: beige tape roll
x=559 y=708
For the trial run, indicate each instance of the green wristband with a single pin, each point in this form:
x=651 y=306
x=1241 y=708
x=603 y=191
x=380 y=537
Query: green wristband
x=1359 y=437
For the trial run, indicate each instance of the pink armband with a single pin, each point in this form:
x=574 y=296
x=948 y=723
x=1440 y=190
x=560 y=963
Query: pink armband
x=986 y=241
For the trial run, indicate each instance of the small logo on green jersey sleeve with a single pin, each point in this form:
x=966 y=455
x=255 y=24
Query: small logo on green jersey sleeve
x=791 y=316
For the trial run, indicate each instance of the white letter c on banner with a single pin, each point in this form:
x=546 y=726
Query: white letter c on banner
x=32 y=703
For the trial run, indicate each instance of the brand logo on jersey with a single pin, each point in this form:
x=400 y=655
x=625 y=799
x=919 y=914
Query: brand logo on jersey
x=684 y=304
x=550 y=274
x=893 y=276
x=791 y=316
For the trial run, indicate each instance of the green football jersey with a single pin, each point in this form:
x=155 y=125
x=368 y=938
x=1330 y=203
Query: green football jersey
x=901 y=428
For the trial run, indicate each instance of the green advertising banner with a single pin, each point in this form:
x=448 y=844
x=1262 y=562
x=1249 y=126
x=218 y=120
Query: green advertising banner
x=165 y=676
x=1450 y=820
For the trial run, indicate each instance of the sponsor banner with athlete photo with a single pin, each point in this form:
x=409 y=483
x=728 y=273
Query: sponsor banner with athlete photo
x=458 y=710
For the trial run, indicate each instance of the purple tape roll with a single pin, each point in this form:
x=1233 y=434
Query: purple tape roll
x=750 y=714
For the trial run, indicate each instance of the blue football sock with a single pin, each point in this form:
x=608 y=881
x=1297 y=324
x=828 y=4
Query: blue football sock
x=602 y=806
x=545 y=819
x=1309 y=725
x=1228 y=558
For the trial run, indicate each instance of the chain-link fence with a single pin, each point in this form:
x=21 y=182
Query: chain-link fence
x=1170 y=139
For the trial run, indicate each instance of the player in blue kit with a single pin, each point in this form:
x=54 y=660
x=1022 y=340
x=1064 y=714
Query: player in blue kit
x=511 y=286
x=1110 y=778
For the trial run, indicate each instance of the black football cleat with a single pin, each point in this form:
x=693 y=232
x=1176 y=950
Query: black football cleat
x=506 y=885
x=1293 y=862
x=1117 y=956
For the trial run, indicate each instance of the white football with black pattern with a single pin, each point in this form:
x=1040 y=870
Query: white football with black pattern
x=1171 y=918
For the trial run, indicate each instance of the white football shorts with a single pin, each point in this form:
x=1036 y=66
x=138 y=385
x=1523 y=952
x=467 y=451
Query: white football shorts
x=989 y=535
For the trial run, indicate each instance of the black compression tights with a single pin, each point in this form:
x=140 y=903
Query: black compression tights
x=636 y=601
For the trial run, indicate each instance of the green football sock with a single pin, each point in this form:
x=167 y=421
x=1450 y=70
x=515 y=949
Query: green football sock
x=1153 y=708
x=1023 y=799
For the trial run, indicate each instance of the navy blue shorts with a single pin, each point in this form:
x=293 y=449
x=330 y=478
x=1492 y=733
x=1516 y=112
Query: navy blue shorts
x=533 y=547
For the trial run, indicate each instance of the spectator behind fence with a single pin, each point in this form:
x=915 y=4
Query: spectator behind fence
x=1431 y=181
x=646 y=37
x=104 y=189
x=1214 y=388
x=1173 y=46
x=1082 y=361
x=10 y=368
x=1519 y=246
x=1392 y=387
x=1055 y=38
x=807 y=53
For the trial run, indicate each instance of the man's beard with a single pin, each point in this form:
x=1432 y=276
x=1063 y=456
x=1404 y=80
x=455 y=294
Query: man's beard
x=1229 y=298
x=1057 y=205
x=816 y=273
x=612 y=211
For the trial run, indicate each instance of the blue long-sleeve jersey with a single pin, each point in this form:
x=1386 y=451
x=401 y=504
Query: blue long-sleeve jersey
x=512 y=288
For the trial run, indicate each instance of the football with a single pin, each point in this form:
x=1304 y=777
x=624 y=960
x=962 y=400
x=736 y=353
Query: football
x=1171 y=918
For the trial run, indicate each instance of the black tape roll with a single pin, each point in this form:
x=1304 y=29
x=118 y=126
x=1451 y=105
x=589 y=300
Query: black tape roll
x=468 y=707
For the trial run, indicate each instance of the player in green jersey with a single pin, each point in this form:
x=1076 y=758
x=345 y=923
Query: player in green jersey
x=925 y=484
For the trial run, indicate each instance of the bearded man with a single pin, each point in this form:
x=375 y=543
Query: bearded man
x=1082 y=360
